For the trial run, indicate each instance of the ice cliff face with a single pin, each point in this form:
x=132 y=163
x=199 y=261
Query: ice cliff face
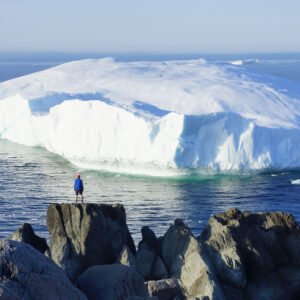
x=156 y=118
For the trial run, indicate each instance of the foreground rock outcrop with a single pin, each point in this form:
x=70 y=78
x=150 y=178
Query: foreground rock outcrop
x=238 y=256
x=113 y=282
x=255 y=255
x=84 y=235
x=25 y=273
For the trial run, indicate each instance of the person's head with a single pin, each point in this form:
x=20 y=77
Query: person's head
x=78 y=176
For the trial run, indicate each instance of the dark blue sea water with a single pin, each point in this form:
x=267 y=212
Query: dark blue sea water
x=31 y=178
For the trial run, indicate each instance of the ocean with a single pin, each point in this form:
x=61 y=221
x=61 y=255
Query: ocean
x=32 y=178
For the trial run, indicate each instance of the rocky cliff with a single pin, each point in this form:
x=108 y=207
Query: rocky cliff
x=238 y=256
x=255 y=255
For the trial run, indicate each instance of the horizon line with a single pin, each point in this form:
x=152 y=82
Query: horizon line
x=144 y=52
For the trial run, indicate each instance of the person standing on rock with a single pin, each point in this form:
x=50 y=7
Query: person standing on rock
x=78 y=188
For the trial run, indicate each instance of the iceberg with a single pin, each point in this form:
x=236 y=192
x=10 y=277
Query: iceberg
x=296 y=181
x=156 y=118
x=245 y=62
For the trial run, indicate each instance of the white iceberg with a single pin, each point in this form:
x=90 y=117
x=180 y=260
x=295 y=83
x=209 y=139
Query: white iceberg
x=157 y=118
x=245 y=62
x=296 y=181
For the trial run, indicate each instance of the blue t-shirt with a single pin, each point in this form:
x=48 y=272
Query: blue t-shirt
x=78 y=185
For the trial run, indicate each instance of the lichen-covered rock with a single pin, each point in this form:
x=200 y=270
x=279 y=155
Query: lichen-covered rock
x=26 y=235
x=27 y=274
x=113 y=282
x=188 y=261
x=256 y=255
x=165 y=289
x=83 y=235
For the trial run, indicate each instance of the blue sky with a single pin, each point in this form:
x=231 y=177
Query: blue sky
x=165 y=26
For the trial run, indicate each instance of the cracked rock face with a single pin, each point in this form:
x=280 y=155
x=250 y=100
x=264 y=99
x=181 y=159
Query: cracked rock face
x=187 y=260
x=255 y=255
x=25 y=273
x=83 y=235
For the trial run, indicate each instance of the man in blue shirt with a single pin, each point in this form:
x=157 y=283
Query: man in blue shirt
x=78 y=188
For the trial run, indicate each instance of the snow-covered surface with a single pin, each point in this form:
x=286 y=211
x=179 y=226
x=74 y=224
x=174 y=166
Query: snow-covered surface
x=156 y=118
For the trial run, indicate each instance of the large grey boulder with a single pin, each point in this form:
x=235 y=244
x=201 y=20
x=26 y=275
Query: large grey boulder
x=256 y=255
x=165 y=289
x=27 y=274
x=113 y=282
x=26 y=235
x=188 y=261
x=83 y=235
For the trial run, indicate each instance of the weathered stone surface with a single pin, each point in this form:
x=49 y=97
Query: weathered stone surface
x=126 y=258
x=113 y=282
x=83 y=235
x=222 y=249
x=149 y=264
x=166 y=289
x=27 y=274
x=256 y=255
x=187 y=260
x=26 y=235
